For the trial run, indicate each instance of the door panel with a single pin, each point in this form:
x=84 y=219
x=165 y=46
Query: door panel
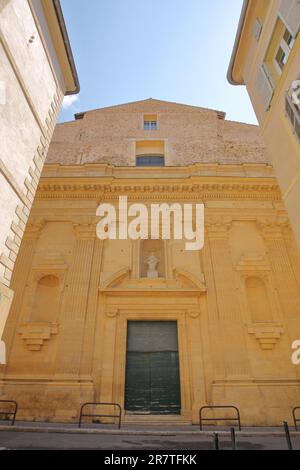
x=152 y=368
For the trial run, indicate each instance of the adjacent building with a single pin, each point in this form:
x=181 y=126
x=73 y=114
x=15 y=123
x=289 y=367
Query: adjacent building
x=213 y=327
x=36 y=71
x=266 y=58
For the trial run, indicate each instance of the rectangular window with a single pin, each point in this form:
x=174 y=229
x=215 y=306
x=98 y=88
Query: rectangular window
x=150 y=122
x=150 y=160
x=289 y=40
x=281 y=58
x=150 y=125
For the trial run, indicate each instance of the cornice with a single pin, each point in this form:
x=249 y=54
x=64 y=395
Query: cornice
x=200 y=188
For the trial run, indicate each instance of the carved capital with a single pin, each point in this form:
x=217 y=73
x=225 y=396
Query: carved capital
x=36 y=333
x=34 y=229
x=85 y=231
x=218 y=227
x=266 y=334
x=273 y=227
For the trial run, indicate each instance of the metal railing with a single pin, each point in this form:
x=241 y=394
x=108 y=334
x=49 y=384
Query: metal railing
x=296 y=420
x=237 y=418
x=9 y=413
x=97 y=415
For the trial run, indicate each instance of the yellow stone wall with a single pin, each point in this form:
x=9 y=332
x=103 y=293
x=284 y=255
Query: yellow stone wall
x=236 y=301
x=282 y=144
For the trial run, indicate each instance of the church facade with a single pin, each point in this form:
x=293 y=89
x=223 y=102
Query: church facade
x=144 y=323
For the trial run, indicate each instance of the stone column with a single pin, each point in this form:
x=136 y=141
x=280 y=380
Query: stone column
x=229 y=315
x=216 y=366
x=74 y=306
x=92 y=305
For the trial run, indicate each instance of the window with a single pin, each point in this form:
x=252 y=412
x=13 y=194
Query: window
x=150 y=125
x=290 y=41
x=150 y=122
x=281 y=58
x=284 y=49
x=150 y=160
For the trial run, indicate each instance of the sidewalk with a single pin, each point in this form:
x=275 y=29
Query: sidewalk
x=53 y=436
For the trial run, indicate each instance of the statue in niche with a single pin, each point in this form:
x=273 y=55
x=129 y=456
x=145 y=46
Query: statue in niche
x=152 y=261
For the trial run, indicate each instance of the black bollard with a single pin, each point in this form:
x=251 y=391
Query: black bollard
x=233 y=438
x=216 y=441
x=287 y=435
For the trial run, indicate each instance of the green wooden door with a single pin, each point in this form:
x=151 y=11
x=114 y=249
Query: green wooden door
x=152 y=368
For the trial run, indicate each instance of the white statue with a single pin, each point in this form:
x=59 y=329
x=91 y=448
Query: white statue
x=152 y=262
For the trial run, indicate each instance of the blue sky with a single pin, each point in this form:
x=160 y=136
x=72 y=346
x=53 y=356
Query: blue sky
x=173 y=50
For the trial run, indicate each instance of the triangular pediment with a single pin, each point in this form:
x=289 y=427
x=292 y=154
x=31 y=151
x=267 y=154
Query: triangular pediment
x=122 y=281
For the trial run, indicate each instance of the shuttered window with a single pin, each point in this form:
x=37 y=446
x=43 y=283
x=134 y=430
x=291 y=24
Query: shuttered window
x=289 y=12
x=257 y=29
x=265 y=86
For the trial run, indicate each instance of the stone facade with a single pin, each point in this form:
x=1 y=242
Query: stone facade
x=263 y=27
x=33 y=83
x=235 y=302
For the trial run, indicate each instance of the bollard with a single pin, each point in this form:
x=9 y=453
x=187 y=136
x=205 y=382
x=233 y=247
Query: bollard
x=233 y=439
x=216 y=441
x=287 y=435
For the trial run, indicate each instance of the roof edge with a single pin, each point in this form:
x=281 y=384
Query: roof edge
x=236 y=43
x=65 y=36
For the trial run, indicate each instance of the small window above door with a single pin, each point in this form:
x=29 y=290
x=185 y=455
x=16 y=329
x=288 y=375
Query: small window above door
x=150 y=122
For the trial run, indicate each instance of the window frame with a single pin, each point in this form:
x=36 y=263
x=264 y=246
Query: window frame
x=286 y=49
x=150 y=125
x=149 y=157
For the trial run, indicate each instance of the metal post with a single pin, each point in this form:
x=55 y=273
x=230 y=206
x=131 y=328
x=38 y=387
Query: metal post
x=287 y=435
x=233 y=439
x=216 y=441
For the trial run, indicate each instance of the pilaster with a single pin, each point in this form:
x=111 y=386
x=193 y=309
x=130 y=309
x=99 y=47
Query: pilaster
x=230 y=321
x=74 y=308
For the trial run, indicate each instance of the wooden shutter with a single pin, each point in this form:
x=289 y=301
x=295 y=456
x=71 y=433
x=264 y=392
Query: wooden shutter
x=289 y=12
x=257 y=29
x=265 y=86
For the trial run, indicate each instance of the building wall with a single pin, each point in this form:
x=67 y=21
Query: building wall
x=236 y=302
x=190 y=135
x=282 y=144
x=33 y=92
